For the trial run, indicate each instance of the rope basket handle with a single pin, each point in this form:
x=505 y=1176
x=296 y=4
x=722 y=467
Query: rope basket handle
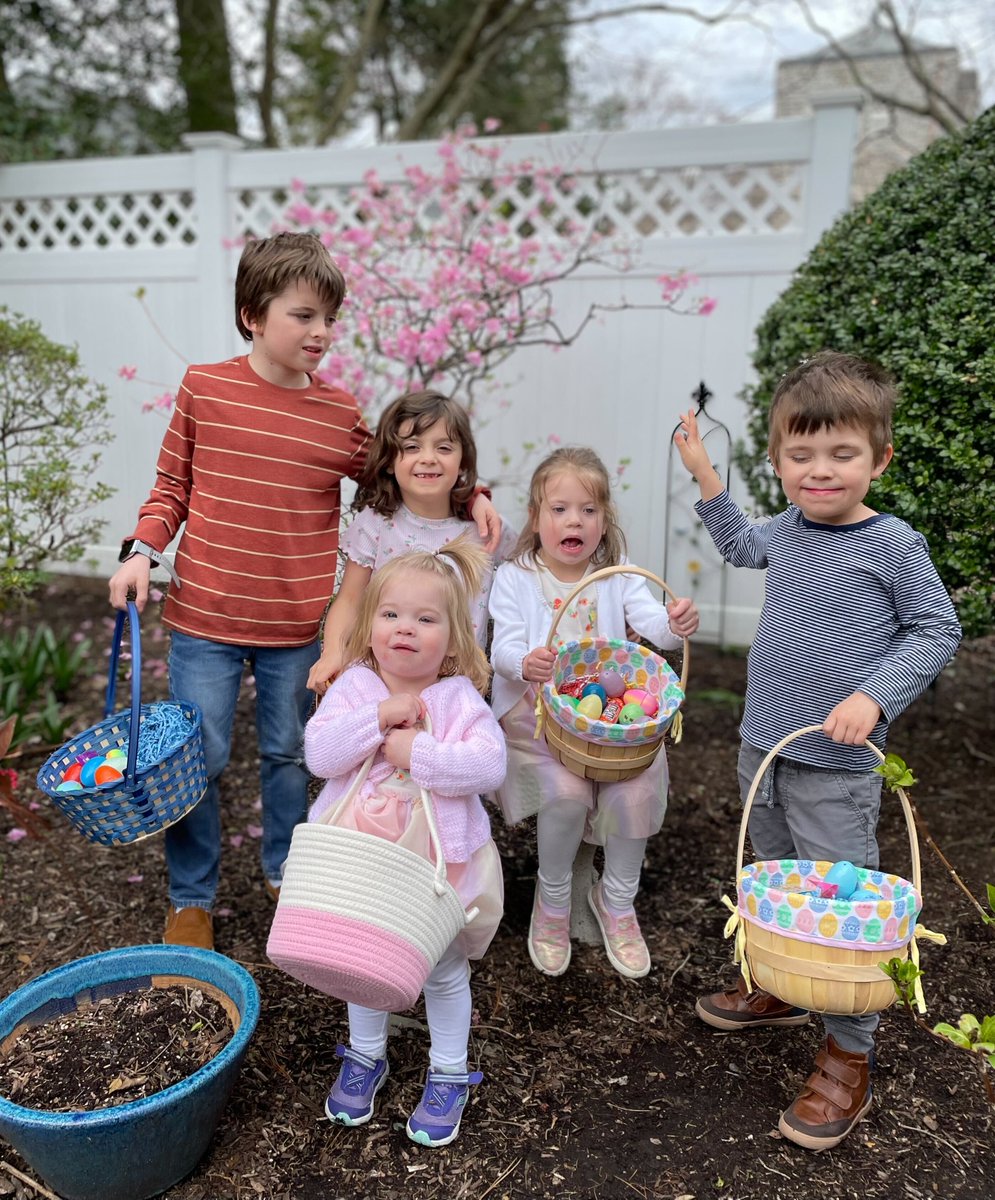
x=621 y=569
x=755 y=785
x=131 y=616
x=329 y=817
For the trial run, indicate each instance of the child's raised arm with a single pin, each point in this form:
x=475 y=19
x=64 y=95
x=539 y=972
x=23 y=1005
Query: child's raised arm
x=338 y=623
x=488 y=521
x=695 y=458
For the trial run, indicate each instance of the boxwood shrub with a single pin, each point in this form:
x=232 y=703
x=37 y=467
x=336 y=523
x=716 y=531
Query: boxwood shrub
x=908 y=279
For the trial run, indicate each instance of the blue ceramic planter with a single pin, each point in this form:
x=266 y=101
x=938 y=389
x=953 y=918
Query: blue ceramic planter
x=139 y=1149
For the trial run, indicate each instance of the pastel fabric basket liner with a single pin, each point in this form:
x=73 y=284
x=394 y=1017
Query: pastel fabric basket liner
x=147 y=800
x=816 y=953
x=360 y=918
x=594 y=749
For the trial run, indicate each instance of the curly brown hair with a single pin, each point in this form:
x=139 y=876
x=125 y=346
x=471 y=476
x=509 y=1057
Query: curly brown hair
x=459 y=567
x=378 y=487
x=593 y=476
x=269 y=266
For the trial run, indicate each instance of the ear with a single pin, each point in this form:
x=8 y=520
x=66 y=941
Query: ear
x=772 y=459
x=253 y=324
x=881 y=465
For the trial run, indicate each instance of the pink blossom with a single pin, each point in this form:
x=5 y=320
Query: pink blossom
x=15 y=835
x=135 y=879
x=491 y=124
x=236 y=840
x=254 y=831
x=706 y=305
x=127 y=372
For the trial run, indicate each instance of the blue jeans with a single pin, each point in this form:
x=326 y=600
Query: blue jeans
x=812 y=812
x=210 y=674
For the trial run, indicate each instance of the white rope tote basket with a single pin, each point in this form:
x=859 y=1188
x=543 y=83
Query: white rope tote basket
x=360 y=918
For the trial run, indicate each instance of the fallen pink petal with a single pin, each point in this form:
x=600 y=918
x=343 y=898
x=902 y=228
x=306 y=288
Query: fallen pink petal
x=136 y=879
x=254 y=831
x=15 y=835
x=236 y=840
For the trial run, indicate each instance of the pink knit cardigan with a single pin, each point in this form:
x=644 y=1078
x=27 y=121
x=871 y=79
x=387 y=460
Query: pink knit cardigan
x=462 y=756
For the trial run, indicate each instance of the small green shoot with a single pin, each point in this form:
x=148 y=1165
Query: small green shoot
x=896 y=773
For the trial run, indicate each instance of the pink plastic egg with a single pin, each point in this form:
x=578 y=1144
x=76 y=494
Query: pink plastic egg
x=634 y=695
x=650 y=705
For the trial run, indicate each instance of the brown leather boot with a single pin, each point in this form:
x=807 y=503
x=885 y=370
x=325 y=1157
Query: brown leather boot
x=834 y=1098
x=740 y=1009
x=189 y=927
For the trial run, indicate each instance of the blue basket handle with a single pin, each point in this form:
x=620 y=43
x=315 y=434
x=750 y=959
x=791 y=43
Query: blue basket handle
x=131 y=616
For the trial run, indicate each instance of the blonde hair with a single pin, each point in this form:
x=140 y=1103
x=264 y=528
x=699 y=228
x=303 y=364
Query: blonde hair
x=459 y=567
x=832 y=389
x=592 y=474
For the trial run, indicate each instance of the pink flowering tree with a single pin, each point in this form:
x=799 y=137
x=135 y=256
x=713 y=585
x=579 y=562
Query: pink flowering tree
x=452 y=271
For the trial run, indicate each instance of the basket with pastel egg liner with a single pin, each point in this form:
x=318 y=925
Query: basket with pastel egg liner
x=820 y=953
x=594 y=749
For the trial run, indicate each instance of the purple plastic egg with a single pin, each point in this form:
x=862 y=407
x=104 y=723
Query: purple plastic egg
x=612 y=682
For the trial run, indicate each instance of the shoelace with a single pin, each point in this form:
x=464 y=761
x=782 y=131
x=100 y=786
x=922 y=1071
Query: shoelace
x=358 y=1067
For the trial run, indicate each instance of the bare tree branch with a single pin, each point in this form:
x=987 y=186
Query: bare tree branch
x=730 y=13
x=350 y=75
x=266 y=88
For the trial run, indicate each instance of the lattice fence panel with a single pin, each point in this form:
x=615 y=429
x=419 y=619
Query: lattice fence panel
x=719 y=201
x=128 y=220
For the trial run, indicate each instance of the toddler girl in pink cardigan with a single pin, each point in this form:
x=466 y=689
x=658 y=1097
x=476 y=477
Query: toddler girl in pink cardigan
x=414 y=655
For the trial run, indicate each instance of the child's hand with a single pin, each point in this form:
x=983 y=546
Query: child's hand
x=488 y=521
x=324 y=672
x=684 y=617
x=131 y=577
x=695 y=458
x=397 y=747
x=537 y=665
x=852 y=720
x=400 y=711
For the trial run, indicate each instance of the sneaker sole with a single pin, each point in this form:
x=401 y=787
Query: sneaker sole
x=346 y=1119
x=421 y=1138
x=617 y=963
x=730 y=1023
x=809 y=1141
x=538 y=965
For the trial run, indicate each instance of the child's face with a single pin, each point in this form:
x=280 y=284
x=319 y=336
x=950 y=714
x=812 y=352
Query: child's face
x=827 y=473
x=411 y=634
x=570 y=525
x=427 y=469
x=289 y=342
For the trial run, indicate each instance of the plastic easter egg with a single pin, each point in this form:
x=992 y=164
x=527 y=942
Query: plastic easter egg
x=106 y=774
x=72 y=773
x=116 y=753
x=844 y=875
x=70 y=785
x=88 y=775
x=631 y=714
x=595 y=689
x=612 y=682
x=633 y=695
x=590 y=706
x=864 y=893
x=651 y=706
x=573 y=701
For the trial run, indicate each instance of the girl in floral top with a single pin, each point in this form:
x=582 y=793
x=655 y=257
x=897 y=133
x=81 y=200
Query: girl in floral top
x=415 y=494
x=573 y=530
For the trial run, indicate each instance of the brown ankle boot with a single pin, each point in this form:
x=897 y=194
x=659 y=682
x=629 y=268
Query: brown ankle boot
x=834 y=1098
x=740 y=1009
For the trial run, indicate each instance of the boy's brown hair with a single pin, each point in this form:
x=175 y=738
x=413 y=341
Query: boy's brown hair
x=459 y=568
x=378 y=487
x=833 y=389
x=593 y=475
x=270 y=265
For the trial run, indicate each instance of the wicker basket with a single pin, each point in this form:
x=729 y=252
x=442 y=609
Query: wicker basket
x=818 y=954
x=592 y=749
x=360 y=918
x=145 y=801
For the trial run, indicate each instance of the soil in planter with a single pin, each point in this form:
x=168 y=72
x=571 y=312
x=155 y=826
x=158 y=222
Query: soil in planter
x=121 y=1049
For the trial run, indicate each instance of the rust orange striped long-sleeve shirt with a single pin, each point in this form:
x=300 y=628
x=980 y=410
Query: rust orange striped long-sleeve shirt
x=255 y=470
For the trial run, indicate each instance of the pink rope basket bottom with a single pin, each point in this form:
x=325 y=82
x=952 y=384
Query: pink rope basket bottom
x=355 y=961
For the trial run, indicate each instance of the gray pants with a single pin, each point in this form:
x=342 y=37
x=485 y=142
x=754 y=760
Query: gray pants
x=816 y=813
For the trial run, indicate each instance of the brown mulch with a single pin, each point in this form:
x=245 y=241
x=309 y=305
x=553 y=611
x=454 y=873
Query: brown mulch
x=120 y=1049
x=595 y=1087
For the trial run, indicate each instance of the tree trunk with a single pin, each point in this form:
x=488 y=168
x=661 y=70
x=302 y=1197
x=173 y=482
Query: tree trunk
x=205 y=66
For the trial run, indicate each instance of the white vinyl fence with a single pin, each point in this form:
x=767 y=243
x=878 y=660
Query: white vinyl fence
x=738 y=206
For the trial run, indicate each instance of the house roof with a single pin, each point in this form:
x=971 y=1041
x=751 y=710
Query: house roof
x=873 y=41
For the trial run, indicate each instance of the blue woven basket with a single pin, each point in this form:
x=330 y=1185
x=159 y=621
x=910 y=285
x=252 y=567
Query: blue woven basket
x=146 y=801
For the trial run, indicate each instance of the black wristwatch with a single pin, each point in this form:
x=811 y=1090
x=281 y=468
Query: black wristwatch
x=132 y=546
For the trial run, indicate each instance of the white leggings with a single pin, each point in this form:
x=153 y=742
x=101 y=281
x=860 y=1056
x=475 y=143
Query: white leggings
x=560 y=828
x=448 y=1008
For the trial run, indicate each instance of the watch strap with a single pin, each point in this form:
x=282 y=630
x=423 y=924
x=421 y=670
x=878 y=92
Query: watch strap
x=135 y=546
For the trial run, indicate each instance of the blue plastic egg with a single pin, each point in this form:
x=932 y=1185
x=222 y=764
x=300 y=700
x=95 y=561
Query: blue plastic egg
x=88 y=775
x=844 y=875
x=595 y=689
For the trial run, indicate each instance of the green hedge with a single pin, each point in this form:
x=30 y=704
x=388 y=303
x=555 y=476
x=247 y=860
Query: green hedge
x=908 y=279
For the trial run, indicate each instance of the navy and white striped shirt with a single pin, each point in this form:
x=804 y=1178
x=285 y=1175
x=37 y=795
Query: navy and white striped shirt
x=848 y=608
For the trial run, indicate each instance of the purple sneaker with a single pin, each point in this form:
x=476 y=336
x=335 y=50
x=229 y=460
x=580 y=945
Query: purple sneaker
x=350 y=1102
x=436 y=1120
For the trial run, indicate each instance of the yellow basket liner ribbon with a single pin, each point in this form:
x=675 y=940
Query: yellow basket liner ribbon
x=540 y=711
x=735 y=925
x=676 y=727
x=930 y=936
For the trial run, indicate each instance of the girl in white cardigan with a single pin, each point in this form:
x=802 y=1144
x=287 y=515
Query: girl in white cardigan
x=414 y=654
x=573 y=530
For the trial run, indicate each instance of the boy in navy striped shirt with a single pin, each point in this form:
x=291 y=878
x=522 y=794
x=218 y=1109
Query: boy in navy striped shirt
x=855 y=625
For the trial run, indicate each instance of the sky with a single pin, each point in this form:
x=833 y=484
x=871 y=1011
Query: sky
x=728 y=70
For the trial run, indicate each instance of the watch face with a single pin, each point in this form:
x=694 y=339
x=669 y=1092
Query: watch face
x=126 y=549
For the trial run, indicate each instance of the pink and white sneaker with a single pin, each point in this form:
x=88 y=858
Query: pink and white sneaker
x=549 y=940
x=624 y=943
